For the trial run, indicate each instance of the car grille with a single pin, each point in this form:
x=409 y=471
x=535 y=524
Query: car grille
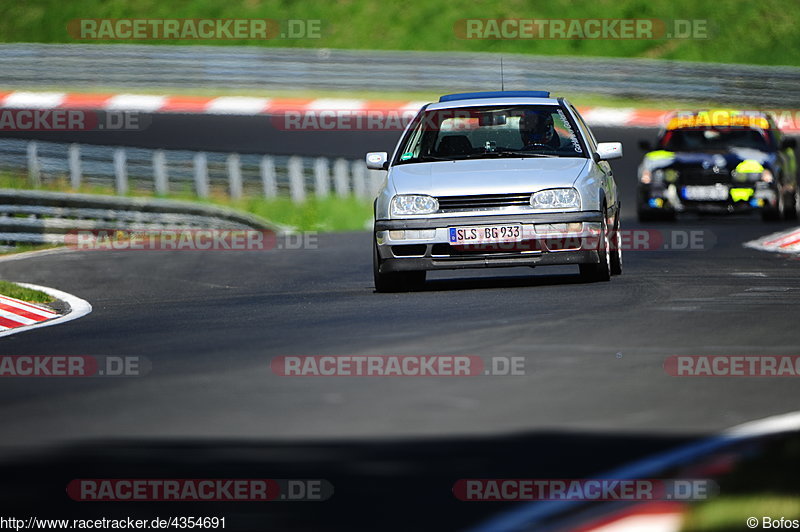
x=482 y=202
x=701 y=176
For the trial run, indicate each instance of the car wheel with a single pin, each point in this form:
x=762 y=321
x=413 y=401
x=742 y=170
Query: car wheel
x=774 y=214
x=616 y=254
x=602 y=270
x=394 y=281
x=793 y=206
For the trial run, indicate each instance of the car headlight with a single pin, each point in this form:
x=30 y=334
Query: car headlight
x=414 y=204
x=751 y=170
x=748 y=176
x=659 y=176
x=556 y=198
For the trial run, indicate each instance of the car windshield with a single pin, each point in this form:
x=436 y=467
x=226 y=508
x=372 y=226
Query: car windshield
x=489 y=132
x=714 y=139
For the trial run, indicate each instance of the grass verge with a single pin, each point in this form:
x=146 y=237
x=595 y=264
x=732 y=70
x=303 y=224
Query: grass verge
x=764 y=484
x=23 y=248
x=737 y=31
x=330 y=214
x=730 y=514
x=25 y=294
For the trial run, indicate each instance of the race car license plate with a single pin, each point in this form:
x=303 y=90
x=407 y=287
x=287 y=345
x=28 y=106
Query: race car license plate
x=486 y=234
x=701 y=193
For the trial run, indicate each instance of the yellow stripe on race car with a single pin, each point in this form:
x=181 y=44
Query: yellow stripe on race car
x=741 y=194
x=749 y=167
x=660 y=154
x=718 y=118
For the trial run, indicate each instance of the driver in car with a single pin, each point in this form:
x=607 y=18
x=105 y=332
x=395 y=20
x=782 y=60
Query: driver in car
x=537 y=131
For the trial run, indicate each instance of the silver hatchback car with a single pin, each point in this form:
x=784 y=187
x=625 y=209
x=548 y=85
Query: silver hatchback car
x=495 y=179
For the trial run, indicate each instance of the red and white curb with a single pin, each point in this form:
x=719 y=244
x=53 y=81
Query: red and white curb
x=782 y=242
x=18 y=316
x=224 y=105
x=530 y=514
x=246 y=105
x=652 y=517
x=668 y=516
x=15 y=313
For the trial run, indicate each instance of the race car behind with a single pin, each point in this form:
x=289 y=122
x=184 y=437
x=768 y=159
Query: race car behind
x=719 y=160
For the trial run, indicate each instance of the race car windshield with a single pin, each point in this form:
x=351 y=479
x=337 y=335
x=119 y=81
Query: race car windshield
x=714 y=139
x=491 y=132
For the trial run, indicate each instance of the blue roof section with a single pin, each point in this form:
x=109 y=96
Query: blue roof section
x=494 y=94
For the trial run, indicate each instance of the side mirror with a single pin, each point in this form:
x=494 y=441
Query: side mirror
x=788 y=142
x=609 y=150
x=645 y=145
x=378 y=160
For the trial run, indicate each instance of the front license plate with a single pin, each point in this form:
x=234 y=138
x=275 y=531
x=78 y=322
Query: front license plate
x=700 y=193
x=486 y=234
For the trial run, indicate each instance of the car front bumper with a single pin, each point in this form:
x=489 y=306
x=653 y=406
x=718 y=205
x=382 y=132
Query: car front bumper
x=424 y=244
x=749 y=197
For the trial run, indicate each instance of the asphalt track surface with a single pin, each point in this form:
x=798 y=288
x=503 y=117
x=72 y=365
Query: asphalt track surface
x=594 y=396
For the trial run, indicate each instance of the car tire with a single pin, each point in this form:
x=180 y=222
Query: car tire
x=600 y=271
x=776 y=213
x=616 y=253
x=792 y=207
x=394 y=281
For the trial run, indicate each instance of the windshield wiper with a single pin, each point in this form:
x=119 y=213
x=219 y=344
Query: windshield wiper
x=527 y=154
x=506 y=153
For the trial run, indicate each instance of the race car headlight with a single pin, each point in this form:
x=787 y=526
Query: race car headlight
x=751 y=176
x=751 y=170
x=556 y=198
x=414 y=204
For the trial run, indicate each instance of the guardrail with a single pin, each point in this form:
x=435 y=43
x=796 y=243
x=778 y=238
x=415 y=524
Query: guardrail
x=236 y=67
x=203 y=173
x=43 y=217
